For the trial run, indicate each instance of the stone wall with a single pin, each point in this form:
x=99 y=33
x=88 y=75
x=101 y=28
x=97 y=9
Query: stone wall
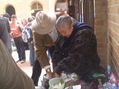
x=23 y=8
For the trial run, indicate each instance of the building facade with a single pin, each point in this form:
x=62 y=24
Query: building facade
x=24 y=9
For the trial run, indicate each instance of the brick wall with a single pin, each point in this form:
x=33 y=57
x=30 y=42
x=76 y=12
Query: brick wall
x=113 y=34
x=100 y=25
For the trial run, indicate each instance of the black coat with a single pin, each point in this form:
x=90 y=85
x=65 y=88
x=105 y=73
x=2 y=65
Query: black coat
x=78 y=53
x=4 y=35
x=7 y=24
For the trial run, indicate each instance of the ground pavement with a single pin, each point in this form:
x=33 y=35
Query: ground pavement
x=26 y=67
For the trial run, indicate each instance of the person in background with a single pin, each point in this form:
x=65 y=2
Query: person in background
x=6 y=18
x=44 y=36
x=4 y=35
x=24 y=23
x=11 y=76
x=16 y=33
x=28 y=38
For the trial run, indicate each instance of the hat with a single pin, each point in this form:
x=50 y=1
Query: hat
x=44 y=22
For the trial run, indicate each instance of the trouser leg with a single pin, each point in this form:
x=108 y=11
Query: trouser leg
x=20 y=48
x=36 y=72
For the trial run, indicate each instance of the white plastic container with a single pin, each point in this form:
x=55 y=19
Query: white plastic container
x=56 y=83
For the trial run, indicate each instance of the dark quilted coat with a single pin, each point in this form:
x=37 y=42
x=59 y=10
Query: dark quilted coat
x=78 y=53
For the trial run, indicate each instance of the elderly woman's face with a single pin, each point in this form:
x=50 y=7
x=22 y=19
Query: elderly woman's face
x=65 y=31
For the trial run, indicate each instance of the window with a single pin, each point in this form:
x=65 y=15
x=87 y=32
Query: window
x=61 y=5
x=36 y=6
